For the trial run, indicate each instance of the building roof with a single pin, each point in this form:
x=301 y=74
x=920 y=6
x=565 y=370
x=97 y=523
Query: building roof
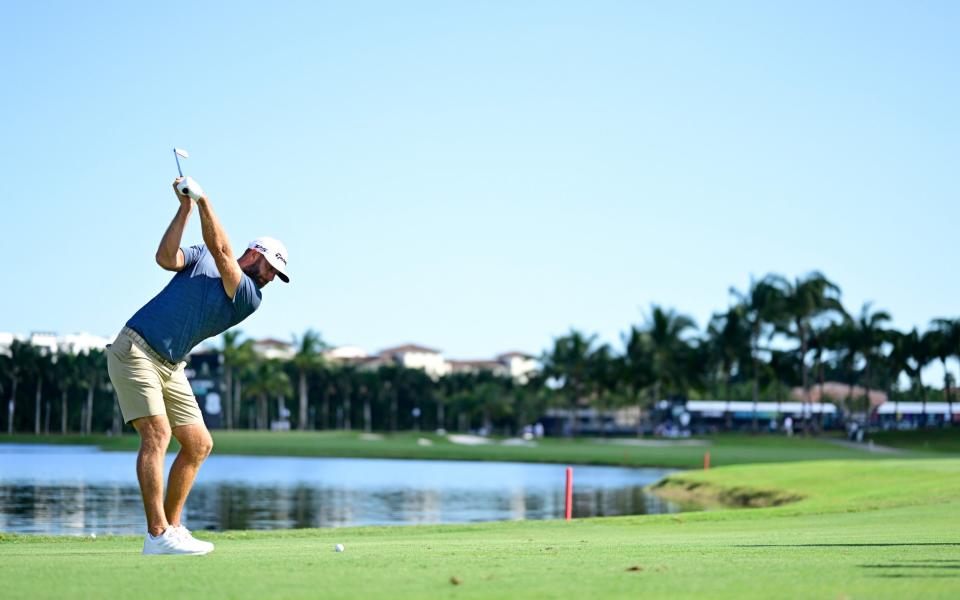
x=273 y=342
x=406 y=348
x=513 y=354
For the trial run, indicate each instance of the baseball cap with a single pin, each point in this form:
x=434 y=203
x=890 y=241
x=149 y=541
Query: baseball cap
x=275 y=253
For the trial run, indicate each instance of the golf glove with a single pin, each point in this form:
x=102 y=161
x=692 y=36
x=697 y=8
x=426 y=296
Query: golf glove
x=191 y=188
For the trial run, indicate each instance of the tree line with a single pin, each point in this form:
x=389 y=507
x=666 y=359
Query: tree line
x=776 y=335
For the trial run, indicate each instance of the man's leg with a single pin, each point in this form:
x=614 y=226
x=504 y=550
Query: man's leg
x=154 y=438
x=195 y=446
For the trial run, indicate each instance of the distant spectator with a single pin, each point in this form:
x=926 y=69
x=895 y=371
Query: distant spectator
x=788 y=425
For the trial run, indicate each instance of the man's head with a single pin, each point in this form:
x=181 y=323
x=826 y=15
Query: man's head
x=264 y=259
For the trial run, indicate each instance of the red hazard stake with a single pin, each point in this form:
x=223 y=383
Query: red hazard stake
x=569 y=493
x=706 y=460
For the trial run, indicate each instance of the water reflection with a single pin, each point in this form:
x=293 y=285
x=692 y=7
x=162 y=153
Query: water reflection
x=73 y=490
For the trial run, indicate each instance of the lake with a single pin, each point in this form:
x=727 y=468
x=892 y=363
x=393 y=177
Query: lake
x=79 y=490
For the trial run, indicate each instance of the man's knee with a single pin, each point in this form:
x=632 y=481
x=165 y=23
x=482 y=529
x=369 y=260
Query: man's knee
x=197 y=444
x=205 y=446
x=154 y=433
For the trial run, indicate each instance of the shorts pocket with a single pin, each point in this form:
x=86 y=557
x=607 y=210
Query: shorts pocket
x=121 y=348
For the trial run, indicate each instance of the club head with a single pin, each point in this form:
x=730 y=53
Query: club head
x=181 y=152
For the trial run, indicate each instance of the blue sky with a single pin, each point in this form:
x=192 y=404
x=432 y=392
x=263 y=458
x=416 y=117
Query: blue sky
x=482 y=176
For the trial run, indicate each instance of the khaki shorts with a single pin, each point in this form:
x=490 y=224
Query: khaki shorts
x=147 y=385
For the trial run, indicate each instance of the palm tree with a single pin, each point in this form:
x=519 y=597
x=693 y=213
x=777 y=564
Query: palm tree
x=762 y=306
x=871 y=335
x=92 y=368
x=803 y=300
x=637 y=368
x=21 y=355
x=269 y=381
x=671 y=352
x=569 y=364
x=947 y=345
x=306 y=360
x=230 y=346
x=728 y=343
x=243 y=364
x=918 y=351
x=66 y=376
x=891 y=365
x=606 y=380
x=6 y=370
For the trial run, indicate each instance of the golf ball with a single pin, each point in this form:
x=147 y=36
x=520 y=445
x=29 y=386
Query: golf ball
x=338 y=547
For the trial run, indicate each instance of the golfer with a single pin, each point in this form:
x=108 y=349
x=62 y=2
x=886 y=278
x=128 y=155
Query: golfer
x=211 y=292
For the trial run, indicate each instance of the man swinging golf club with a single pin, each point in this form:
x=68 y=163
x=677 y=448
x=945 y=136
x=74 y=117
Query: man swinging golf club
x=211 y=292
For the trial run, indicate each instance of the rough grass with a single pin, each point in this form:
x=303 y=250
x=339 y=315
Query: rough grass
x=727 y=449
x=863 y=529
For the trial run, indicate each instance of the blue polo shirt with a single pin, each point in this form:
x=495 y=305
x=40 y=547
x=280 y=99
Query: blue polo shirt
x=193 y=307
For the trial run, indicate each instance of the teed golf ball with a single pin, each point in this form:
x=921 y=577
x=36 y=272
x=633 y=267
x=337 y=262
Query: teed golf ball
x=338 y=547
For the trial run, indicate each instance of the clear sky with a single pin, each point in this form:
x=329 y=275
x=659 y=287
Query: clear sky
x=481 y=176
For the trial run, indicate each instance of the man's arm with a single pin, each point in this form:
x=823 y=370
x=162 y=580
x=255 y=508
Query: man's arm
x=169 y=255
x=219 y=247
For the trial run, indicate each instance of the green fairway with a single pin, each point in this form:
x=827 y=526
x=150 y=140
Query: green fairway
x=935 y=440
x=726 y=449
x=877 y=529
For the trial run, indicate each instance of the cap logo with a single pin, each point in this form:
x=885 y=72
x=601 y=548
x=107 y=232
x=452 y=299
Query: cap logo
x=281 y=258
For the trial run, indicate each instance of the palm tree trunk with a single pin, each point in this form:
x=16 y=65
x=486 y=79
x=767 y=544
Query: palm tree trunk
x=347 y=409
x=923 y=399
x=262 y=411
x=117 y=420
x=63 y=412
x=88 y=423
x=302 y=414
x=639 y=415
x=393 y=412
x=440 y=415
x=946 y=392
x=367 y=415
x=325 y=410
x=228 y=395
x=237 y=397
x=38 y=398
x=755 y=391
x=11 y=404
x=802 y=332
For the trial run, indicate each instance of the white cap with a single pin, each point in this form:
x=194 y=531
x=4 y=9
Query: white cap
x=275 y=253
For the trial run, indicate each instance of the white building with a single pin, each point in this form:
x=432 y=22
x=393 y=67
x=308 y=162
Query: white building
x=345 y=354
x=519 y=366
x=51 y=343
x=270 y=348
x=77 y=343
x=412 y=356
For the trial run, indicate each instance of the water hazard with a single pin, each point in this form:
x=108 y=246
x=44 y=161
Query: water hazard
x=78 y=490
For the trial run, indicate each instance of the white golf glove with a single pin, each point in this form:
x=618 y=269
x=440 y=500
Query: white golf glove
x=191 y=188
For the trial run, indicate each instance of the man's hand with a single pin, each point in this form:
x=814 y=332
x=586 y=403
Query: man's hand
x=186 y=187
x=183 y=198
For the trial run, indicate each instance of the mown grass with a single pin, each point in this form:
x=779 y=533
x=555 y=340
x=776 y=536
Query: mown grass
x=863 y=529
x=928 y=440
x=727 y=449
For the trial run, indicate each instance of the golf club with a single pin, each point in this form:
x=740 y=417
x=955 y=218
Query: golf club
x=177 y=153
x=184 y=186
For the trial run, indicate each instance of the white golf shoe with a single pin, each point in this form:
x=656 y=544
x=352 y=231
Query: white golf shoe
x=175 y=540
